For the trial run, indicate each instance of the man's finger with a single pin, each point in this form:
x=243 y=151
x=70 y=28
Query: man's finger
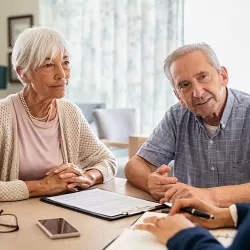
x=163 y=180
x=157 y=195
x=163 y=169
x=170 y=193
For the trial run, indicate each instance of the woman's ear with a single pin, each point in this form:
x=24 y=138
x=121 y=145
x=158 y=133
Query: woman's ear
x=24 y=77
x=18 y=71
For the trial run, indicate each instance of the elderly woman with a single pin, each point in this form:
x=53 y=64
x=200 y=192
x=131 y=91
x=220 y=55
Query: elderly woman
x=46 y=145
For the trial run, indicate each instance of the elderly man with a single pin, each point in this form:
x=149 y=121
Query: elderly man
x=206 y=134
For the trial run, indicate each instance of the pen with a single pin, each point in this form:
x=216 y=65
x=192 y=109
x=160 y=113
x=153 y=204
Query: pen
x=192 y=211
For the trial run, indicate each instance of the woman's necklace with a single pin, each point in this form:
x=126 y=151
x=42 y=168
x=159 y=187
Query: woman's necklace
x=33 y=118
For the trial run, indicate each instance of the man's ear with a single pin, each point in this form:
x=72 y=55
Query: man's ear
x=224 y=76
x=179 y=99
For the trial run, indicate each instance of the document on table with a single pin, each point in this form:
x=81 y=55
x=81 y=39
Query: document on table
x=135 y=239
x=102 y=203
x=225 y=235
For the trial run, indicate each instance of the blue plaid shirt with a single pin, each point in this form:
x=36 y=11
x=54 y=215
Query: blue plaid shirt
x=202 y=159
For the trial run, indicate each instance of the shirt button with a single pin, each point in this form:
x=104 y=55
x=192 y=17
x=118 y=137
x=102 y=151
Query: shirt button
x=211 y=142
x=212 y=168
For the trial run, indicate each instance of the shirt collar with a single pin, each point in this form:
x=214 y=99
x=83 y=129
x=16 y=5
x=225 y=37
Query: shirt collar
x=228 y=108
x=226 y=113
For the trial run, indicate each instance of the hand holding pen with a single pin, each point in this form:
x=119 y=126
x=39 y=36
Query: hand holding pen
x=191 y=211
x=166 y=227
x=202 y=213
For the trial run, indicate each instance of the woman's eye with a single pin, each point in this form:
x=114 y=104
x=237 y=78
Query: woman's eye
x=66 y=62
x=47 y=65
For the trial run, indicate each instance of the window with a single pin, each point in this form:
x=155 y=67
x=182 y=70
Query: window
x=118 y=50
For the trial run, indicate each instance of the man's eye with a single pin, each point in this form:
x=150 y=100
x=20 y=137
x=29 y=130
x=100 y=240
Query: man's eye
x=184 y=85
x=203 y=77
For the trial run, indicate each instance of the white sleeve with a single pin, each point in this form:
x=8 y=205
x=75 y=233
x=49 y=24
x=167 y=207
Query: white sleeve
x=234 y=214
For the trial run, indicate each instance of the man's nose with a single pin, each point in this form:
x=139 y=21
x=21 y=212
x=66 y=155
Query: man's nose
x=198 y=90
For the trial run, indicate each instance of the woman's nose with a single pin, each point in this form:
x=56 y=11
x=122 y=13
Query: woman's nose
x=60 y=73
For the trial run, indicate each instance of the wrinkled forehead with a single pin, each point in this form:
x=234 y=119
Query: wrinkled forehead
x=189 y=65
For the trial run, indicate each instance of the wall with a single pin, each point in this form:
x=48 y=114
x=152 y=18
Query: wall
x=223 y=24
x=14 y=8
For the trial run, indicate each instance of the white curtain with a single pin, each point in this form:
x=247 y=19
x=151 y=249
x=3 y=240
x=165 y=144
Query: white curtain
x=118 y=48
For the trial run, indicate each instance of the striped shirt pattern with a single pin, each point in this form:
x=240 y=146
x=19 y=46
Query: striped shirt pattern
x=202 y=159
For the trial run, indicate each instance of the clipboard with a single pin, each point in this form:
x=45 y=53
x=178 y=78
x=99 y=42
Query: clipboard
x=102 y=203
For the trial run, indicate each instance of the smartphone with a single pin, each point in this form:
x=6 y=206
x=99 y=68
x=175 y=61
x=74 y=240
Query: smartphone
x=58 y=228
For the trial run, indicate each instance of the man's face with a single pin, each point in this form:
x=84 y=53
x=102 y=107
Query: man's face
x=198 y=85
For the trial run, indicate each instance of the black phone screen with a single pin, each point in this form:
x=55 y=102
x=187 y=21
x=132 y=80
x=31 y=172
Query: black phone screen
x=58 y=226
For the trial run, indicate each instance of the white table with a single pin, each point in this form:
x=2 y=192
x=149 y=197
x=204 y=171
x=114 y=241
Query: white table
x=95 y=233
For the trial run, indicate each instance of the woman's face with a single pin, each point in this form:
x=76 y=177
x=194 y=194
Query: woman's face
x=51 y=78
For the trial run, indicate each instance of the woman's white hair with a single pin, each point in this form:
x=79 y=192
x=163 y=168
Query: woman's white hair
x=189 y=48
x=33 y=46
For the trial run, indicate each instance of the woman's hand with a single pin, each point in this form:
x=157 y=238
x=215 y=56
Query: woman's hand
x=222 y=216
x=52 y=184
x=67 y=177
x=166 y=227
x=89 y=178
x=66 y=170
x=57 y=181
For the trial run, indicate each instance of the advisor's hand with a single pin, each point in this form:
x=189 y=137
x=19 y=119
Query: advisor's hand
x=166 y=227
x=222 y=216
x=158 y=182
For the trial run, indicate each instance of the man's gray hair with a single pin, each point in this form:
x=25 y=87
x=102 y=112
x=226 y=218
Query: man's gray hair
x=189 y=48
x=33 y=46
